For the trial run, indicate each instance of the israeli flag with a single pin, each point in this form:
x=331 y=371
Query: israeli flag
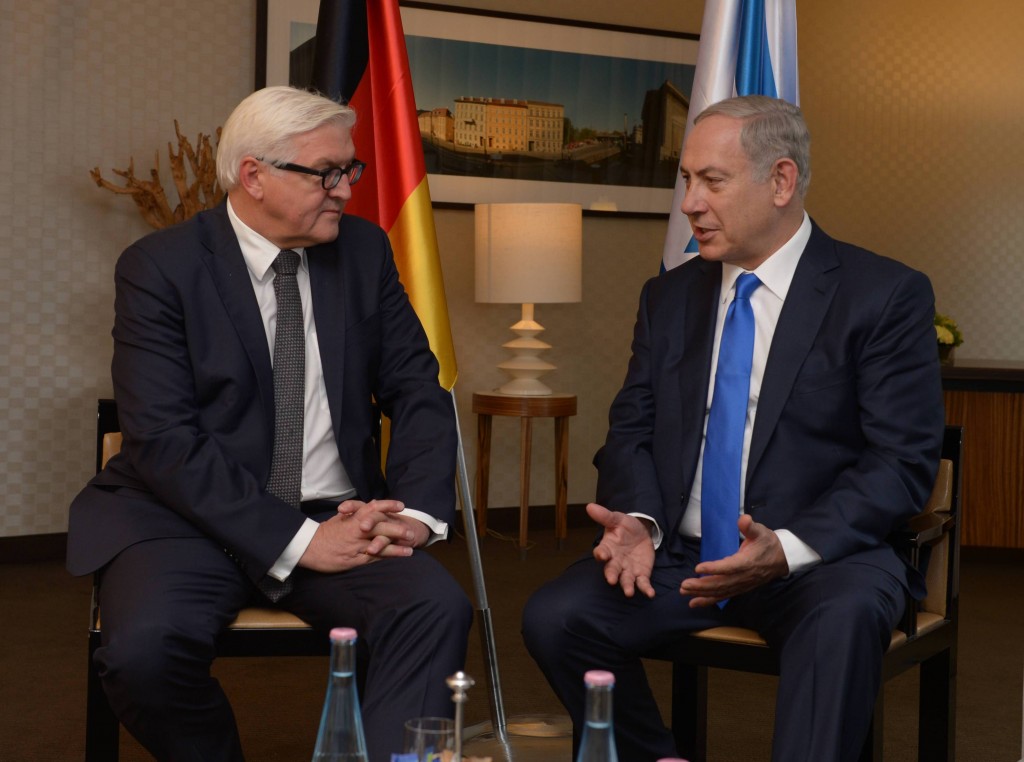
x=747 y=47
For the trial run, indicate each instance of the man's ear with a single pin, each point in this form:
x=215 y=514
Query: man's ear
x=250 y=177
x=784 y=181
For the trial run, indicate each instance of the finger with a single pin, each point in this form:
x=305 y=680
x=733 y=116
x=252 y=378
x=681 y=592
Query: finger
x=700 y=586
x=393 y=530
x=377 y=546
x=350 y=507
x=611 y=573
x=705 y=568
x=626 y=581
x=377 y=510
x=723 y=566
x=381 y=547
x=698 y=603
x=387 y=506
x=395 y=551
x=369 y=517
x=601 y=515
x=750 y=530
x=643 y=584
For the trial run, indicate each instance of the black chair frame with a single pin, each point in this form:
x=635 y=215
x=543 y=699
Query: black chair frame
x=102 y=732
x=934 y=650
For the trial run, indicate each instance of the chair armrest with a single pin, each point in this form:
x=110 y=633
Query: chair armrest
x=924 y=529
x=913 y=540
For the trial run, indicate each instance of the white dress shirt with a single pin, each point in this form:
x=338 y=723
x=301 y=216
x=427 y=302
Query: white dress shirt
x=776 y=275
x=323 y=474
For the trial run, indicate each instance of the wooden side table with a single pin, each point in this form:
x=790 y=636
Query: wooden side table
x=557 y=406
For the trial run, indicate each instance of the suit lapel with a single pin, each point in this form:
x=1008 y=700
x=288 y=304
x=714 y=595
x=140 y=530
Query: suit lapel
x=692 y=336
x=326 y=282
x=231 y=278
x=698 y=335
x=810 y=294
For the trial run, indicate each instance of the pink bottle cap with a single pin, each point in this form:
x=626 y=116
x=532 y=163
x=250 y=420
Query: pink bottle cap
x=343 y=633
x=599 y=677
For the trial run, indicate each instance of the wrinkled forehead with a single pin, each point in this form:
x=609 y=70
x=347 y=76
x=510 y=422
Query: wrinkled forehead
x=328 y=142
x=715 y=140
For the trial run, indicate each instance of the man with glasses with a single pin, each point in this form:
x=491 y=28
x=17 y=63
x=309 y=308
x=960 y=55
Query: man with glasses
x=255 y=347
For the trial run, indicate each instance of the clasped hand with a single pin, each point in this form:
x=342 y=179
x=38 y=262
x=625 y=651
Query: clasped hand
x=363 y=532
x=627 y=552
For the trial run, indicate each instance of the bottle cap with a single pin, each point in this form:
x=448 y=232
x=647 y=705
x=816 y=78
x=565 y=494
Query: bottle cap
x=343 y=633
x=599 y=677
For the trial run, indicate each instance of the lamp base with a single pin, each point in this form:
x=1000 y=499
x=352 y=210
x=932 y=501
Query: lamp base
x=525 y=387
x=525 y=366
x=524 y=381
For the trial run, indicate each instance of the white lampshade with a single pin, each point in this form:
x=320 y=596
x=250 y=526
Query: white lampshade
x=528 y=254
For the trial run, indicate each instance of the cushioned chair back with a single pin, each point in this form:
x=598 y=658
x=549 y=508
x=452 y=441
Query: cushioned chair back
x=937 y=574
x=255 y=632
x=111 y=446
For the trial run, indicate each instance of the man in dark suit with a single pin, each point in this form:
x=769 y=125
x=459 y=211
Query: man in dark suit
x=183 y=524
x=840 y=434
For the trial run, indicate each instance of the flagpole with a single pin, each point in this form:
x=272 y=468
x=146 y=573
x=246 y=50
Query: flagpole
x=483 y=610
x=353 y=37
x=535 y=738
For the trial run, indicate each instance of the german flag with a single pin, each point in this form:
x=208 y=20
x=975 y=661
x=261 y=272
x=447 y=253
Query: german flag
x=360 y=59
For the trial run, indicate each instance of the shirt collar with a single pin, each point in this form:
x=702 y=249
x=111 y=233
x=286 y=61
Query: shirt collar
x=776 y=272
x=258 y=252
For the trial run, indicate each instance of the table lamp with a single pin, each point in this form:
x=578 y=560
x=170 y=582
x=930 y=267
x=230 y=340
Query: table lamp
x=528 y=254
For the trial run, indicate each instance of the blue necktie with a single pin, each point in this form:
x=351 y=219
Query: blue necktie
x=723 y=443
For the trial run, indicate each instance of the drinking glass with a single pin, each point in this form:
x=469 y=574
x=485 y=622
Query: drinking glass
x=431 y=739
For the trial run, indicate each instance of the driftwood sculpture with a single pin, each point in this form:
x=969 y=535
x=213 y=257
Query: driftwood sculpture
x=202 y=192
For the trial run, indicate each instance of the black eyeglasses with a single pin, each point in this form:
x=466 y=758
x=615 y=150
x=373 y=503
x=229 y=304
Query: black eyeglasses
x=329 y=177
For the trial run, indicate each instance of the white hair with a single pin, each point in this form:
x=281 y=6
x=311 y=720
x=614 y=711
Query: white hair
x=265 y=123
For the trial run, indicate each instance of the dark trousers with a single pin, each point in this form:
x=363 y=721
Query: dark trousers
x=164 y=603
x=830 y=625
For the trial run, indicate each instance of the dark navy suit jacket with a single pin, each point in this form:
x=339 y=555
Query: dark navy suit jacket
x=849 y=421
x=194 y=387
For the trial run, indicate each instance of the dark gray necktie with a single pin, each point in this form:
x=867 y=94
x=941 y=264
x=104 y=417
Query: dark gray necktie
x=285 y=480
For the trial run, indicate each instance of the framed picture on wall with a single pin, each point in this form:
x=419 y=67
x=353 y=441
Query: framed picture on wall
x=525 y=108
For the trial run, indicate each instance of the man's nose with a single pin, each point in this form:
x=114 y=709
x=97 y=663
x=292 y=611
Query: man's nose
x=342 y=190
x=691 y=203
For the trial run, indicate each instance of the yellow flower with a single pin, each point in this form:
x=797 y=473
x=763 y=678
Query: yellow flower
x=947 y=331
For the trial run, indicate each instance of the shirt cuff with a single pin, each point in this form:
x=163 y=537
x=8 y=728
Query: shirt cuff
x=799 y=555
x=438 y=529
x=289 y=559
x=656 y=534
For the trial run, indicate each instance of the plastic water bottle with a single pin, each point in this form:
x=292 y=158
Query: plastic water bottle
x=341 y=725
x=598 y=741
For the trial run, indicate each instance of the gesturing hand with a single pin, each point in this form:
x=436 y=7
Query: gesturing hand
x=760 y=559
x=358 y=534
x=626 y=550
